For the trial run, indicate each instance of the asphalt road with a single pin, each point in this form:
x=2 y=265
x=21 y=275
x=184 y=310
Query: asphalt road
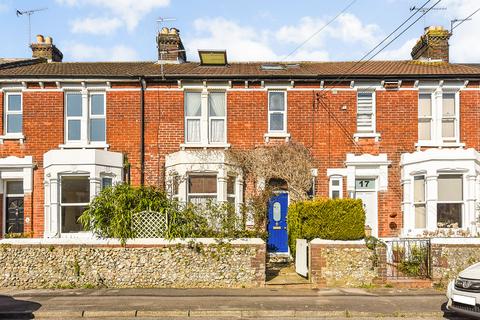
x=190 y=304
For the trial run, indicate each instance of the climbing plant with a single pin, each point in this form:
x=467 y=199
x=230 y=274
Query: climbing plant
x=291 y=162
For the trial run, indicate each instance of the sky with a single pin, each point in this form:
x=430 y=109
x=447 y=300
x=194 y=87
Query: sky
x=250 y=30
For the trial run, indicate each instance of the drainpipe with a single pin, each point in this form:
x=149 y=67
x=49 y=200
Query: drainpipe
x=142 y=126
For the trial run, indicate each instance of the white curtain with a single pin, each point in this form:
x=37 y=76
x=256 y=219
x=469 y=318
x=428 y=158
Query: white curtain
x=217 y=130
x=216 y=102
x=193 y=130
x=193 y=104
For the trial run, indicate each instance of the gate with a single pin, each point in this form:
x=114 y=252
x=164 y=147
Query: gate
x=301 y=257
x=409 y=258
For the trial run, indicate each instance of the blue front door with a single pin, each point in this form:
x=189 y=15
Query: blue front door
x=277 y=223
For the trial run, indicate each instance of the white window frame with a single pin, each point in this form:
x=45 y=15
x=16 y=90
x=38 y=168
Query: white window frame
x=199 y=118
x=61 y=205
x=85 y=140
x=461 y=202
x=372 y=130
x=232 y=195
x=205 y=121
x=455 y=118
x=214 y=196
x=419 y=203
x=79 y=118
x=430 y=118
x=210 y=118
x=333 y=188
x=101 y=117
x=7 y=112
x=436 y=137
x=284 y=112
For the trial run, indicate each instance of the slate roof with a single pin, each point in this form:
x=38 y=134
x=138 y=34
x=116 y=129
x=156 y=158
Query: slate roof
x=243 y=70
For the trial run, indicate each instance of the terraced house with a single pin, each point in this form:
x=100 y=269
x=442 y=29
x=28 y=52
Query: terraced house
x=403 y=136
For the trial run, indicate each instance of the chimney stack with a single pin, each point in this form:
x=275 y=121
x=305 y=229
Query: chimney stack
x=44 y=48
x=170 y=46
x=432 y=45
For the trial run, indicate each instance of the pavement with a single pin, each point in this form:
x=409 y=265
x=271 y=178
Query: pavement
x=258 y=303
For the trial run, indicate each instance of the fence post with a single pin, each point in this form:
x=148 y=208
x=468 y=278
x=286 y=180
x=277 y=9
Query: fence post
x=381 y=251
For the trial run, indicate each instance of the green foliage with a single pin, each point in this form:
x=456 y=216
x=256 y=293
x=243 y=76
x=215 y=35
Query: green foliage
x=415 y=264
x=110 y=214
x=333 y=219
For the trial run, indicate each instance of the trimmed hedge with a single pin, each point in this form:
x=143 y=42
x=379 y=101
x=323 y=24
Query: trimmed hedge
x=332 y=219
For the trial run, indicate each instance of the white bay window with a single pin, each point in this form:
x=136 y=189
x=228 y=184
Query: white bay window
x=202 y=188
x=450 y=201
x=440 y=190
x=419 y=202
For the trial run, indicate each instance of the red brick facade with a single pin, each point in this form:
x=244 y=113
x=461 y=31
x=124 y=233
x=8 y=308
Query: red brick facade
x=322 y=120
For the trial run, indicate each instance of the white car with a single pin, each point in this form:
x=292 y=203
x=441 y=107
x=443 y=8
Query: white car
x=463 y=292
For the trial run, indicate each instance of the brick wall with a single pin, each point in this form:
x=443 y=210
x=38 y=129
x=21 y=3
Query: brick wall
x=324 y=121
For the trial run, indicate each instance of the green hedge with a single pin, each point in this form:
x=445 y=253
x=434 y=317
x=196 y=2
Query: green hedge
x=333 y=219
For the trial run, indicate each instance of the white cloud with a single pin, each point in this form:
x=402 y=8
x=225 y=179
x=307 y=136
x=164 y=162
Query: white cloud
x=347 y=28
x=130 y=12
x=96 y=26
x=244 y=43
x=77 y=51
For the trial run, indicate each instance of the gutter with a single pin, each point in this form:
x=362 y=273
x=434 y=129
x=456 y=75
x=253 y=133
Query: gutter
x=142 y=130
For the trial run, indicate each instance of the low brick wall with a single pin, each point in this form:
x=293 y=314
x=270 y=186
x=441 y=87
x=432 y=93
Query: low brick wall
x=343 y=263
x=151 y=263
x=450 y=256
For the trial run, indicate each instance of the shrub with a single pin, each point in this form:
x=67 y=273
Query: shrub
x=333 y=219
x=110 y=214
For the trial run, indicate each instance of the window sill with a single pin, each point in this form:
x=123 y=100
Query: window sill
x=84 y=146
x=374 y=135
x=184 y=146
x=276 y=135
x=19 y=137
x=439 y=144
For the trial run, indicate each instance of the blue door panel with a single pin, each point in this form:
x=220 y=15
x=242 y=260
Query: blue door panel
x=277 y=223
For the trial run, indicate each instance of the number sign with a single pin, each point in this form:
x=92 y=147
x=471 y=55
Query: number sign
x=365 y=184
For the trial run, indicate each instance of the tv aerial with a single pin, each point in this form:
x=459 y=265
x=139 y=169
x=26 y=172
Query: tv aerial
x=426 y=9
x=29 y=14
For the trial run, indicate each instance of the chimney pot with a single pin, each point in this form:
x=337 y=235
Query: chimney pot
x=45 y=49
x=170 y=46
x=432 y=45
